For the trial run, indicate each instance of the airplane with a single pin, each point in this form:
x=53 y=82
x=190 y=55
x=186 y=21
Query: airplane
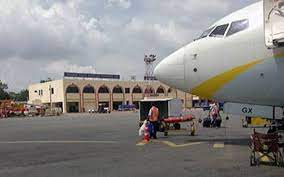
x=239 y=60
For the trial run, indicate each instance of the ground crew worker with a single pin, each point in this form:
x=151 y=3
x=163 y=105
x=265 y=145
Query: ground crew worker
x=153 y=118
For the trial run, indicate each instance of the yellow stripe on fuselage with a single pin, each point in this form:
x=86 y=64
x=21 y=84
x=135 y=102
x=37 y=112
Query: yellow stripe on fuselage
x=280 y=55
x=208 y=88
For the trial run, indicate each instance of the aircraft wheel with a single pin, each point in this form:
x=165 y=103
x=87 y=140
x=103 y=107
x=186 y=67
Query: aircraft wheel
x=165 y=133
x=252 y=160
x=177 y=126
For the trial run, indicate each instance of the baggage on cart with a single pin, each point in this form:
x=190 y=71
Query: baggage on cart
x=207 y=122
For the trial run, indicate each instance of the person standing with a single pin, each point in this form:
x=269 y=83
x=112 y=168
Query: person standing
x=214 y=111
x=153 y=118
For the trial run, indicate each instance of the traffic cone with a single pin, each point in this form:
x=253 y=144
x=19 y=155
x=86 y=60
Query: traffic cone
x=146 y=134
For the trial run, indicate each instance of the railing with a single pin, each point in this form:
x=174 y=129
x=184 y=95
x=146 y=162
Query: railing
x=73 y=96
x=137 y=97
x=118 y=97
x=104 y=97
x=89 y=96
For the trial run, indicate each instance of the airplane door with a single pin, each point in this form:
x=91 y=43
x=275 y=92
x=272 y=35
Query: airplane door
x=274 y=23
x=191 y=63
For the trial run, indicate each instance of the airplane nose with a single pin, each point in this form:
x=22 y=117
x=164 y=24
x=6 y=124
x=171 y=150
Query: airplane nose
x=171 y=70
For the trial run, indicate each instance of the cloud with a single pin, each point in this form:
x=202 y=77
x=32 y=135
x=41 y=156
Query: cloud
x=18 y=73
x=62 y=66
x=44 y=38
x=120 y=3
x=171 y=33
x=30 y=30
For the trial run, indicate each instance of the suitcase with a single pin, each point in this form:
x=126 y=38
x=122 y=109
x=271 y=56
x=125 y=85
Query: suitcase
x=218 y=123
x=207 y=122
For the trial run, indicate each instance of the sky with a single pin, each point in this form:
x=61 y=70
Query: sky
x=44 y=38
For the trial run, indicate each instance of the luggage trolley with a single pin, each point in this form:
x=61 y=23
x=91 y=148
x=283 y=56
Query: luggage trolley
x=265 y=145
x=170 y=114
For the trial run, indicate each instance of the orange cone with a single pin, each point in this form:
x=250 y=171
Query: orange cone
x=146 y=134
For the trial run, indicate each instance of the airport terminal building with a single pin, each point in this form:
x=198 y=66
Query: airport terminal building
x=80 y=95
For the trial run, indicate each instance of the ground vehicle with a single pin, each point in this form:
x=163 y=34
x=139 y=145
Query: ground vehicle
x=256 y=122
x=170 y=113
x=103 y=109
x=125 y=107
x=91 y=111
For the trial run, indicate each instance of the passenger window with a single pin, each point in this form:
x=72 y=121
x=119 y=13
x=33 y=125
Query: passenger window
x=219 y=31
x=238 y=26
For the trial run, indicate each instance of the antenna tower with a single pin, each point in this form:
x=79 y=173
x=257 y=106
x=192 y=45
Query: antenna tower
x=149 y=67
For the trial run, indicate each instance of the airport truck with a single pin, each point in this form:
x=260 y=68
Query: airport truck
x=171 y=113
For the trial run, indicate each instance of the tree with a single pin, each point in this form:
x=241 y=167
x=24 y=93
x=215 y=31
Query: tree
x=3 y=94
x=47 y=80
x=23 y=95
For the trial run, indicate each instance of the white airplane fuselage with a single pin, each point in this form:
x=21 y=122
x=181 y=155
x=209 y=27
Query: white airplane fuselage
x=229 y=68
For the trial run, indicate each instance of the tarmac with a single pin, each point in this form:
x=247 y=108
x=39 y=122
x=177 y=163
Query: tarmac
x=107 y=145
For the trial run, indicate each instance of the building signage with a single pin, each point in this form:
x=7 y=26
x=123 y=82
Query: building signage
x=88 y=75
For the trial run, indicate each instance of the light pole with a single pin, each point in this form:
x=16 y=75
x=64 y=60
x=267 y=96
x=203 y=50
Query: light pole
x=50 y=93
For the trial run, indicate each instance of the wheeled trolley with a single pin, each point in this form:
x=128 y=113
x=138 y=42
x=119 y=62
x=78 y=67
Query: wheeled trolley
x=176 y=121
x=265 y=145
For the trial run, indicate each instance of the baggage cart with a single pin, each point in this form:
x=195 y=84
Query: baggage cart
x=171 y=114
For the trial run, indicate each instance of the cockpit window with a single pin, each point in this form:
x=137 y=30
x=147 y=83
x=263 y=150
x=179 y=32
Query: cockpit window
x=205 y=33
x=238 y=26
x=219 y=31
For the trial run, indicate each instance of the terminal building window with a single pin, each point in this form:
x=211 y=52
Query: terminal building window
x=238 y=26
x=219 y=31
x=103 y=89
x=40 y=92
x=161 y=90
x=137 y=89
x=127 y=90
x=88 y=89
x=117 y=89
x=149 y=90
x=72 y=89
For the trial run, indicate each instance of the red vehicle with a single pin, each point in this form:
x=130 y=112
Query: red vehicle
x=6 y=108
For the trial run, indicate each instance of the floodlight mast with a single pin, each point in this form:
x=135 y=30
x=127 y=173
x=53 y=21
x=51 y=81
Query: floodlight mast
x=149 y=73
x=149 y=67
